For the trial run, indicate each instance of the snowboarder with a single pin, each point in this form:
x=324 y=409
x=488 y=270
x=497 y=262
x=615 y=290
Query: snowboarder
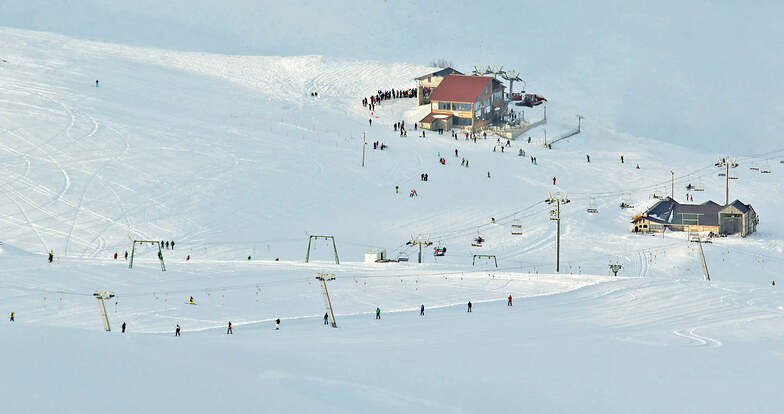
x=469 y=306
x=177 y=330
x=12 y=314
x=277 y=324
x=553 y=180
x=228 y=331
x=51 y=255
x=326 y=318
x=422 y=310
x=378 y=313
x=123 y=327
x=509 y=301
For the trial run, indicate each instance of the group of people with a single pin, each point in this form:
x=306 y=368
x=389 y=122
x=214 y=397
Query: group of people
x=379 y=145
x=370 y=102
x=423 y=177
x=422 y=308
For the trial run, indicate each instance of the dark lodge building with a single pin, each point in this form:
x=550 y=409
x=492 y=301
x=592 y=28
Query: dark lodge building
x=734 y=218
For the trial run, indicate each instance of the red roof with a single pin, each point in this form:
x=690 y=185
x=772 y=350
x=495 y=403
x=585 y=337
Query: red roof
x=460 y=88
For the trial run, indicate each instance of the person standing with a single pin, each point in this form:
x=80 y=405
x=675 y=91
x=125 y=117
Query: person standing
x=172 y=244
x=553 y=180
x=469 y=306
x=51 y=256
x=378 y=313
x=509 y=301
x=12 y=314
x=177 y=330
x=115 y=255
x=228 y=331
x=326 y=318
x=123 y=327
x=126 y=255
x=96 y=83
x=277 y=324
x=422 y=310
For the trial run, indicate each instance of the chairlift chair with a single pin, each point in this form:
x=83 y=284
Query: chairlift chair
x=517 y=229
x=592 y=207
x=699 y=187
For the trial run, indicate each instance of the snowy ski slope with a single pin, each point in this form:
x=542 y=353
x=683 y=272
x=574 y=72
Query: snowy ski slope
x=231 y=157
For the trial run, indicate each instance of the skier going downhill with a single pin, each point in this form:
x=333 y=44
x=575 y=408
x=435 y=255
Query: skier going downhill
x=378 y=313
x=509 y=301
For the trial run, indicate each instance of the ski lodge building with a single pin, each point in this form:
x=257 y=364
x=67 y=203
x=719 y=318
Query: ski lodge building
x=426 y=84
x=465 y=101
x=734 y=218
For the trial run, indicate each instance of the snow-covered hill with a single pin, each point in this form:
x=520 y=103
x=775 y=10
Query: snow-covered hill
x=231 y=156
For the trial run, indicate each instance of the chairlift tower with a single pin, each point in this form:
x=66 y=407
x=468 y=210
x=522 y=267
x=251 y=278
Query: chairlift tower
x=421 y=241
x=555 y=215
x=724 y=162
x=512 y=77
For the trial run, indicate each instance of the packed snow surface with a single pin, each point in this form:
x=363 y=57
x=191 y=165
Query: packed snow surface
x=232 y=158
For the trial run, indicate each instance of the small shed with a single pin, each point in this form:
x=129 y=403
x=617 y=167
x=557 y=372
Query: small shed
x=374 y=256
x=737 y=217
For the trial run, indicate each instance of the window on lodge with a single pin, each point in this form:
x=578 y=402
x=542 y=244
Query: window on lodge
x=444 y=106
x=457 y=106
x=461 y=121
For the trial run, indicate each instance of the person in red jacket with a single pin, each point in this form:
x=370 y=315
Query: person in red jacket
x=509 y=301
x=553 y=180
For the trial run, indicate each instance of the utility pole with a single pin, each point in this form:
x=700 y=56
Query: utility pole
x=420 y=242
x=556 y=215
x=672 y=189
x=364 y=144
x=723 y=162
x=101 y=295
x=324 y=277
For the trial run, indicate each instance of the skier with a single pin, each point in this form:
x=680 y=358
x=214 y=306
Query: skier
x=115 y=255
x=172 y=244
x=248 y=258
x=397 y=190
x=326 y=318
x=637 y=167
x=370 y=121
x=455 y=152
x=488 y=174
x=167 y=245
x=469 y=306
x=177 y=330
x=378 y=313
x=228 y=331
x=588 y=157
x=126 y=255
x=423 y=133
x=123 y=327
x=51 y=255
x=621 y=158
x=509 y=301
x=188 y=257
x=422 y=310
x=553 y=180
x=277 y=324
x=191 y=302
x=12 y=314
x=96 y=83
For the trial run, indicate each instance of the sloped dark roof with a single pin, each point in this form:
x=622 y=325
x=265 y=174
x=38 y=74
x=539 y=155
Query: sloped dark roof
x=442 y=72
x=743 y=208
x=662 y=209
x=460 y=88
